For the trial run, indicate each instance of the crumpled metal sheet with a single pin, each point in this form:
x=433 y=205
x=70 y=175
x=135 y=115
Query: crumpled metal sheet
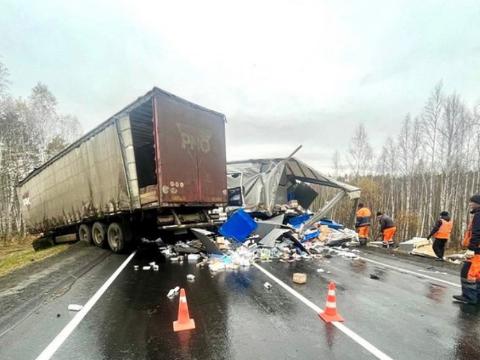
x=265 y=181
x=75 y=187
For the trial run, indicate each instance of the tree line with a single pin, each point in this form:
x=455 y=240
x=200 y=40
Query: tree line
x=433 y=164
x=31 y=131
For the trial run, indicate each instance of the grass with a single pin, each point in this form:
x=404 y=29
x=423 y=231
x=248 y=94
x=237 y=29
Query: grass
x=18 y=253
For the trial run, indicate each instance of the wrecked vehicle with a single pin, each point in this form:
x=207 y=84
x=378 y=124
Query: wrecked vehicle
x=160 y=162
x=263 y=186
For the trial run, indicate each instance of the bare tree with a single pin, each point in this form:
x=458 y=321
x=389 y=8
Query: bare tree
x=336 y=163
x=360 y=153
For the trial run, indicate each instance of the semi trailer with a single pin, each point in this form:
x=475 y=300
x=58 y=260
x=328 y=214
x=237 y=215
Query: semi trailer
x=158 y=165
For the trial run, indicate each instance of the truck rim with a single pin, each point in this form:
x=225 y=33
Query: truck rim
x=83 y=234
x=98 y=236
x=114 y=234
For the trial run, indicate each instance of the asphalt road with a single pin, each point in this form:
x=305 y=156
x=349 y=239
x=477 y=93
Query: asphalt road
x=406 y=316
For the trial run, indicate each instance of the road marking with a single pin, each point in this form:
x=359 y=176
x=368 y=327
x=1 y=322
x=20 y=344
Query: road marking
x=351 y=334
x=48 y=352
x=411 y=272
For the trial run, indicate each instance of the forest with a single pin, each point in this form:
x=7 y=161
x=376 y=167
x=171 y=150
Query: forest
x=431 y=165
x=31 y=131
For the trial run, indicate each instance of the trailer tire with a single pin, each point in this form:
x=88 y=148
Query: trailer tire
x=118 y=236
x=85 y=233
x=99 y=234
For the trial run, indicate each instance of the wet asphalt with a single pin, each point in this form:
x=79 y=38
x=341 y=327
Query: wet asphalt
x=403 y=315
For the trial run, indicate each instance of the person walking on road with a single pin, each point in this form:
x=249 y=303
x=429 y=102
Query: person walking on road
x=441 y=233
x=362 y=223
x=470 y=272
x=387 y=229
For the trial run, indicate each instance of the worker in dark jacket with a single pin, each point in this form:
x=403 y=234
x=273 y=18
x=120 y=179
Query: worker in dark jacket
x=470 y=273
x=362 y=223
x=387 y=229
x=441 y=233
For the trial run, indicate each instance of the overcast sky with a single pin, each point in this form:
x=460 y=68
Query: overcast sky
x=283 y=72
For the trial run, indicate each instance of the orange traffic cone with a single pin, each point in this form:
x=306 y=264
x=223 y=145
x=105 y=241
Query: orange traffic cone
x=184 y=322
x=330 y=314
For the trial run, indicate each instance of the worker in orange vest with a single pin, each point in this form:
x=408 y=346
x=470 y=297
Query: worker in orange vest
x=470 y=273
x=387 y=229
x=362 y=223
x=441 y=233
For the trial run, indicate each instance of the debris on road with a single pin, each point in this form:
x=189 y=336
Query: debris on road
x=406 y=247
x=75 y=307
x=135 y=267
x=190 y=277
x=193 y=257
x=374 y=277
x=320 y=270
x=146 y=268
x=173 y=292
x=267 y=285
x=299 y=278
x=155 y=267
x=238 y=226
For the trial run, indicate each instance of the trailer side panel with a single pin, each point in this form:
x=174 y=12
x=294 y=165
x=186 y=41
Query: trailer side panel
x=87 y=182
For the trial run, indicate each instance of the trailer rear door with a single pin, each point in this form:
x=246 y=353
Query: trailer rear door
x=190 y=153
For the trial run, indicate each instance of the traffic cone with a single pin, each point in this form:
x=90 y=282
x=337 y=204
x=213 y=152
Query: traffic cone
x=330 y=313
x=184 y=322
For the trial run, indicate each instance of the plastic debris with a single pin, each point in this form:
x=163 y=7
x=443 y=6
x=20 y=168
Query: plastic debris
x=171 y=294
x=238 y=226
x=75 y=307
x=190 y=277
x=193 y=257
x=267 y=285
x=151 y=263
x=320 y=270
x=155 y=267
x=299 y=278
x=135 y=267
x=146 y=268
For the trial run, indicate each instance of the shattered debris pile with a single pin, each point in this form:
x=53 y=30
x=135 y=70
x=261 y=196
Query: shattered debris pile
x=243 y=240
x=280 y=238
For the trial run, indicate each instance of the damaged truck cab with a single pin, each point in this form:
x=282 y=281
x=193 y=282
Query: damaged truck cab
x=158 y=164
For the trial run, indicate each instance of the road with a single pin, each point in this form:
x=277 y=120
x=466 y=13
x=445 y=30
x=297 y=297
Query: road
x=407 y=313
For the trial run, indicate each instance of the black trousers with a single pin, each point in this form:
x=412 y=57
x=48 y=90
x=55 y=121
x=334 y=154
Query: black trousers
x=439 y=247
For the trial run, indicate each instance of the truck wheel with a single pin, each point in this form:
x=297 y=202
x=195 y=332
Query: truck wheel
x=99 y=234
x=118 y=236
x=85 y=233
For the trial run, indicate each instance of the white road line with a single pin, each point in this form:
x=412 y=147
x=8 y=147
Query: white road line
x=354 y=336
x=411 y=272
x=48 y=352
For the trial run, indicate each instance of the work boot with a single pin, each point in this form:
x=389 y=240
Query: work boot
x=461 y=299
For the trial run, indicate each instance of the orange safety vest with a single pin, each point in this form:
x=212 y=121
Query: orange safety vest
x=445 y=230
x=474 y=271
x=364 y=213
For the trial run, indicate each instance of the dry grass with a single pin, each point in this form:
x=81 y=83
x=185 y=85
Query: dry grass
x=18 y=252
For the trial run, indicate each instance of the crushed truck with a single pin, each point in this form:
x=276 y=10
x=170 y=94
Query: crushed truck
x=158 y=165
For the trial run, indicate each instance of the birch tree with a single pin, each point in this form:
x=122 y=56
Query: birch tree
x=360 y=153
